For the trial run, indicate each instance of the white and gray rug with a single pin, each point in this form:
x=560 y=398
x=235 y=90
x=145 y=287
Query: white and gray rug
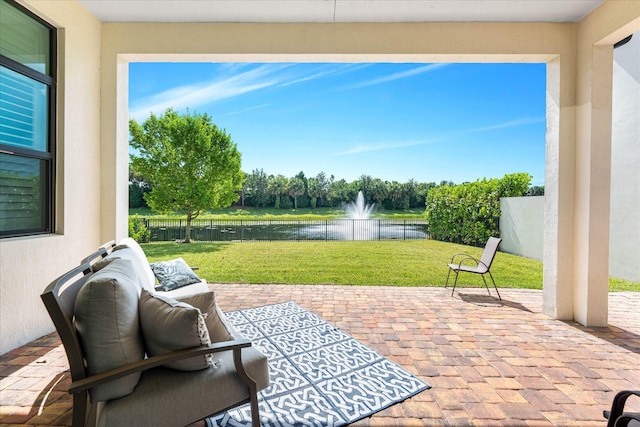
x=320 y=376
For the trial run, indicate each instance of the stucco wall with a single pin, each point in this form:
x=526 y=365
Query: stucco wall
x=624 y=251
x=522 y=222
x=522 y=226
x=28 y=264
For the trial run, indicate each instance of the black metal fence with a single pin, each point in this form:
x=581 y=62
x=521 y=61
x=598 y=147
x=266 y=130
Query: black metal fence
x=272 y=230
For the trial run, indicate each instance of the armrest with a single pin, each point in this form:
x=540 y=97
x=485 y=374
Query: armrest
x=464 y=257
x=458 y=254
x=155 y=361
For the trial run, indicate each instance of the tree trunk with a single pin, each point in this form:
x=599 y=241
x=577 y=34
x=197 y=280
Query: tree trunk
x=187 y=231
x=187 y=228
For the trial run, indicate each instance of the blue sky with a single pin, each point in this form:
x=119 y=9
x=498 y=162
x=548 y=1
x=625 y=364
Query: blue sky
x=394 y=121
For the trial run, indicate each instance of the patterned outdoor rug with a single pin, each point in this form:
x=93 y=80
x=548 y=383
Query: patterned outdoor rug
x=320 y=376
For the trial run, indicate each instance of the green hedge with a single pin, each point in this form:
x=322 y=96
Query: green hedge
x=138 y=229
x=470 y=213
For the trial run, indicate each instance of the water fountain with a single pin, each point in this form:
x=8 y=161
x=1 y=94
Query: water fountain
x=357 y=226
x=358 y=209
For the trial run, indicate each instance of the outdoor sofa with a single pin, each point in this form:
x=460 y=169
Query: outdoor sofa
x=146 y=357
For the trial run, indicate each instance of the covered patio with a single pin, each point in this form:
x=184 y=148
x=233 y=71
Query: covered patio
x=489 y=362
x=550 y=357
x=88 y=201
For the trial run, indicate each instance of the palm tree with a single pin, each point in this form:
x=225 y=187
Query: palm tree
x=277 y=186
x=296 y=188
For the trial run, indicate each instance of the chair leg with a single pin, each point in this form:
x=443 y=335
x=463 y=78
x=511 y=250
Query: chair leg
x=494 y=285
x=448 y=274
x=485 y=284
x=455 y=282
x=255 y=412
x=251 y=384
x=80 y=407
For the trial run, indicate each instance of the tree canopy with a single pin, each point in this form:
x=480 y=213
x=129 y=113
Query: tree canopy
x=190 y=163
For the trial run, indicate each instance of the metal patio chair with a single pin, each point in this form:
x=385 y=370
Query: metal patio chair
x=617 y=416
x=477 y=266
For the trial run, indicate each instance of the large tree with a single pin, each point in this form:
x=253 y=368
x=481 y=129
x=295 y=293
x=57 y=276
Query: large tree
x=257 y=185
x=191 y=163
x=277 y=187
x=296 y=188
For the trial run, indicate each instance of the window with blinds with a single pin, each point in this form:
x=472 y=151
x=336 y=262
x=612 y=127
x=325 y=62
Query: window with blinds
x=27 y=122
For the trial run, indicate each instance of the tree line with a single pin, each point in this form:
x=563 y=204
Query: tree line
x=260 y=190
x=280 y=192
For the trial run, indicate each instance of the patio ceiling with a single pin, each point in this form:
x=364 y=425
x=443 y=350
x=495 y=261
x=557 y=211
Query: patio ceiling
x=341 y=10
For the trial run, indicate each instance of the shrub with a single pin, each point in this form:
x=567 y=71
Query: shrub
x=286 y=202
x=470 y=213
x=138 y=230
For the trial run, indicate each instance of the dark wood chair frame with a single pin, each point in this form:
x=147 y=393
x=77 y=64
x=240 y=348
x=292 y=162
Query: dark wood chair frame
x=59 y=298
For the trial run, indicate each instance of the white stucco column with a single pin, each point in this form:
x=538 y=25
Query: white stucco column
x=114 y=148
x=559 y=190
x=592 y=193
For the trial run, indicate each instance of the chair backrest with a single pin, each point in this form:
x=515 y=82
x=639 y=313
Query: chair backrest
x=490 y=250
x=59 y=298
x=102 y=252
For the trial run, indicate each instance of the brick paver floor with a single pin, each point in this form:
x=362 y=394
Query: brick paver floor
x=489 y=363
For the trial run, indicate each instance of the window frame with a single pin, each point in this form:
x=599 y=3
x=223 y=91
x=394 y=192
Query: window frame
x=49 y=156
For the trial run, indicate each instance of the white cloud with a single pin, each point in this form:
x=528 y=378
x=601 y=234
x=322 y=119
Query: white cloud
x=236 y=81
x=509 y=124
x=394 y=145
x=379 y=147
x=255 y=107
x=399 y=75
x=196 y=95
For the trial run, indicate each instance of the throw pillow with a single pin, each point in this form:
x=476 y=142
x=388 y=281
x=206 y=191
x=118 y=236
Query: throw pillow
x=169 y=325
x=206 y=303
x=106 y=318
x=173 y=274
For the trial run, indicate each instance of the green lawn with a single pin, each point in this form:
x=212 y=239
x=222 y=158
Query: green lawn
x=389 y=263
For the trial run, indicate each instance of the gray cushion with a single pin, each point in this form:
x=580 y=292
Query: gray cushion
x=102 y=263
x=206 y=303
x=146 y=276
x=166 y=397
x=173 y=274
x=106 y=317
x=125 y=252
x=170 y=325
